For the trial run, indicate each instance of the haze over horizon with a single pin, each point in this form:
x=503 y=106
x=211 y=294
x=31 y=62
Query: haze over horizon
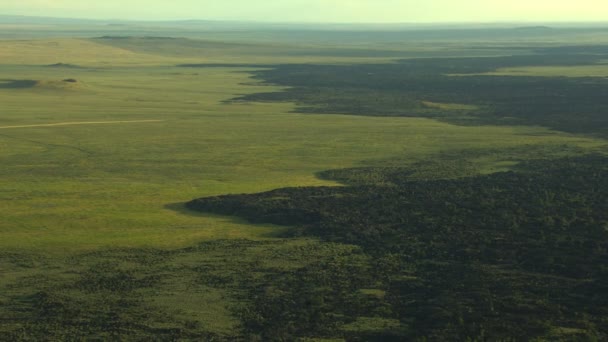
x=334 y=11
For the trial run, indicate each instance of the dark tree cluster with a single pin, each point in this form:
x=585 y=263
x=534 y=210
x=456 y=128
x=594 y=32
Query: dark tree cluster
x=401 y=89
x=508 y=256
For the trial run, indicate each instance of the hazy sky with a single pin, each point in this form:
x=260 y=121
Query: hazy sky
x=319 y=10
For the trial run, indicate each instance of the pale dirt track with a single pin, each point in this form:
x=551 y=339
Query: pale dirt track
x=80 y=123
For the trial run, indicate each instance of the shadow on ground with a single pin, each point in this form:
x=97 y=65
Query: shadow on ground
x=17 y=84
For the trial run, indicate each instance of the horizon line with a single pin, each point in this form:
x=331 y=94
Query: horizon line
x=252 y=21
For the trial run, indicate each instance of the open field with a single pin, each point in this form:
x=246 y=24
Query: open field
x=73 y=187
x=599 y=70
x=96 y=170
x=117 y=51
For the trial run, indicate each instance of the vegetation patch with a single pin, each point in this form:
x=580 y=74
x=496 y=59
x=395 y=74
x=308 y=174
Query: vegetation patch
x=65 y=84
x=17 y=84
x=406 y=89
x=464 y=258
x=64 y=65
x=450 y=106
x=194 y=293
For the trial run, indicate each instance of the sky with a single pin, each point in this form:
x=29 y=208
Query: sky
x=339 y=11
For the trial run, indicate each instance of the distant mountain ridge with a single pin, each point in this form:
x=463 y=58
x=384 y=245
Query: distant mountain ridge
x=24 y=19
x=540 y=27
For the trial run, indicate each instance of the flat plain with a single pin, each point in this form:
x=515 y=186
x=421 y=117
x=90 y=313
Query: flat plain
x=102 y=141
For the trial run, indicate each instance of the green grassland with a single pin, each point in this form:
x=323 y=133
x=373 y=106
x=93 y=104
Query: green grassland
x=93 y=185
x=598 y=70
x=95 y=172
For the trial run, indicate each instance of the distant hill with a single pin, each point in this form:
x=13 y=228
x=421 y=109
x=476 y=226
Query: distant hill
x=227 y=24
x=534 y=28
x=18 y=19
